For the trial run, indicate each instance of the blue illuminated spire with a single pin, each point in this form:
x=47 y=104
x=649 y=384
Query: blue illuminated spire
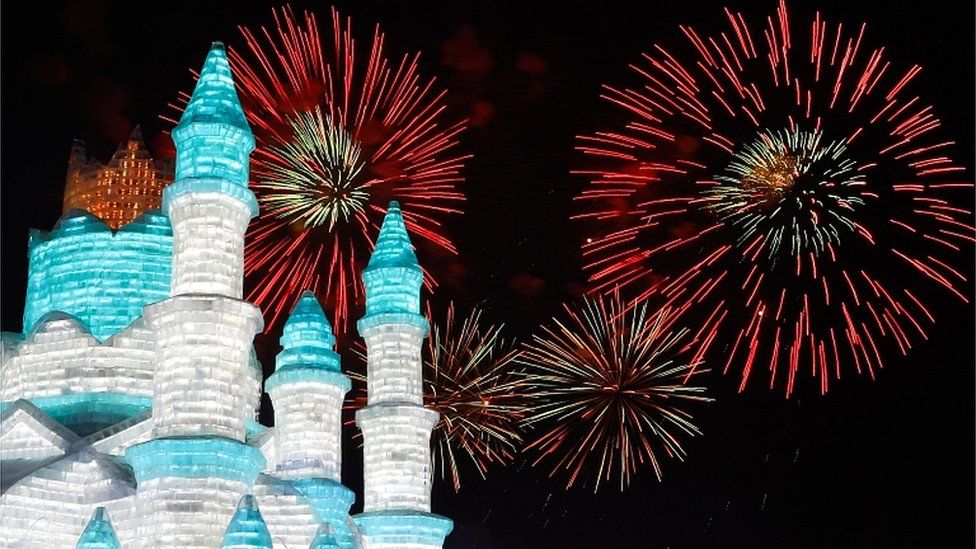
x=324 y=539
x=393 y=277
x=307 y=338
x=393 y=247
x=99 y=533
x=247 y=529
x=213 y=139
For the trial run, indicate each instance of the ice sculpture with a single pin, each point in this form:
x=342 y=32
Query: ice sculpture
x=247 y=529
x=324 y=539
x=396 y=426
x=99 y=533
x=192 y=473
x=101 y=277
x=307 y=389
x=78 y=381
x=52 y=506
x=133 y=390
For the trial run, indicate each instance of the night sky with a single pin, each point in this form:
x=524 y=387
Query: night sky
x=887 y=463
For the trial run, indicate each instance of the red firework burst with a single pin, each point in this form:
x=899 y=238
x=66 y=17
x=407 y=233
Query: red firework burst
x=787 y=190
x=341 y=130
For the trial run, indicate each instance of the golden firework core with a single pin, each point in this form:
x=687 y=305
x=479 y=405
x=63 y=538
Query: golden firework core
x=773 y=178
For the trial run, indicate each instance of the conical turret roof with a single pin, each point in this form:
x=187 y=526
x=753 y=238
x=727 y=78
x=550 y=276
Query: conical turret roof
x=247 y=529
x=99 y=533
x=393 y=247
x=214 y=98
x=324 y=538
x=307 y=339
x=307 y=324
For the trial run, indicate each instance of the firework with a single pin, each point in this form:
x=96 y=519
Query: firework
x=608 y=389
x=470 y=379
x=341 y=130
x=785 y=188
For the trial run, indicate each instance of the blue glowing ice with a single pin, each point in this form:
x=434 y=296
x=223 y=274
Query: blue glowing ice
x=324 y=539
x=99 y=533
x=213 y=139
x=307 y=348
x=195 y=457
x=404 y=527
x=331 y=501
x=307 y=337
x=392 y=277
x=247 y=529
x=102 y=278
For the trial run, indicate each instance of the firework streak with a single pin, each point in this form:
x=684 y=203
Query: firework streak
x=608 y=390
x=341 y=130
x=784 y=187
x=471 y=380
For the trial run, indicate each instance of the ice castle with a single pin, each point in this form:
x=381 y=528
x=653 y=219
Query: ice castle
x=130 y=400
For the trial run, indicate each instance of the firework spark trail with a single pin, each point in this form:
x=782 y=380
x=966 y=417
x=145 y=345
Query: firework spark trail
x=608 y=390
x=471 y=379
x=341 y=130
x=817 y=189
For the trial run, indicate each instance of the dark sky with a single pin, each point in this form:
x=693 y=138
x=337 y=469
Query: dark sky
x=874 y=464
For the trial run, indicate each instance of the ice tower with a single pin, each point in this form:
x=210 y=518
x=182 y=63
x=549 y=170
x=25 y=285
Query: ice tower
x=307 y=390
x=396 y=426
x=192 y=473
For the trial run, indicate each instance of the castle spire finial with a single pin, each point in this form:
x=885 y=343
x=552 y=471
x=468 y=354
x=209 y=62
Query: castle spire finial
x=99 y=533
x=214 y=98
x=307 y=339
x=247 y=529
x=393 y=246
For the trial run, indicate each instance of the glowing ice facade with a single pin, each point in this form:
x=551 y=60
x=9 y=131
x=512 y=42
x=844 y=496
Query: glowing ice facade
x=396 y=426
x=133 y=392
x=101 y=277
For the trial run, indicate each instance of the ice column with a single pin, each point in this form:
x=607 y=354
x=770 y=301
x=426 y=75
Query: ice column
x=192 y=474
x=396 y=426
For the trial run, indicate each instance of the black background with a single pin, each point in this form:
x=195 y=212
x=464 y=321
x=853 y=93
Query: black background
x=873 y=464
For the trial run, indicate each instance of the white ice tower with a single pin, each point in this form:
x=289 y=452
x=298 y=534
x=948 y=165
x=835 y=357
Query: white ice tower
x=307 y=390
x=192 y=473
x=395 y=424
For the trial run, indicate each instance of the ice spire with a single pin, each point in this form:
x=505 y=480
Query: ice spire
x=99 y=533
x=393 y=247
x=213 y=138
x=214 y=98
x=247 y=529
x=307 y=338
x=324 y=539
x=204 y=380
x=392 y=277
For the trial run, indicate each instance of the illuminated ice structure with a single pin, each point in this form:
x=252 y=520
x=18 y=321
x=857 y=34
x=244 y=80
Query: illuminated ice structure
x=130 y=400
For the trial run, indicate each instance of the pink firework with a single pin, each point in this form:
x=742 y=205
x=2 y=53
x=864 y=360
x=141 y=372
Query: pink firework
x=785 y=188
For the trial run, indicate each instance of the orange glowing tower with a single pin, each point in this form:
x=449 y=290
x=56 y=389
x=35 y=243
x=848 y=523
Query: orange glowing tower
x=117 y=193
